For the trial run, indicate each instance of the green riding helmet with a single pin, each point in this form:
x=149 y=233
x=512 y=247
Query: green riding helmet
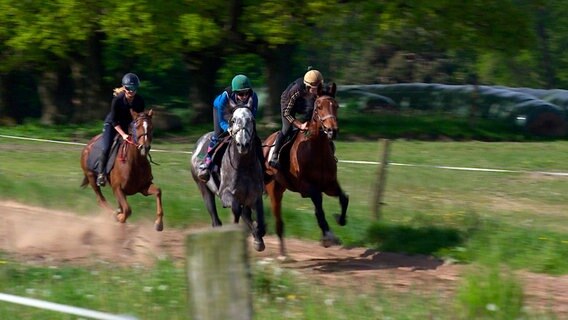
x=240 y=83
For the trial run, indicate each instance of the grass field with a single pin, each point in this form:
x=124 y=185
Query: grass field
x=512 y=219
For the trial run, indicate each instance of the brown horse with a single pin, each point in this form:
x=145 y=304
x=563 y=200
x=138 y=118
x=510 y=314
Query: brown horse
x=131 y=172
x=309 y=167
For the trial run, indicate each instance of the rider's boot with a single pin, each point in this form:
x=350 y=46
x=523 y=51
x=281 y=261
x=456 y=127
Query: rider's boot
x=101 y=177
x=204 y=170
x=274 y=161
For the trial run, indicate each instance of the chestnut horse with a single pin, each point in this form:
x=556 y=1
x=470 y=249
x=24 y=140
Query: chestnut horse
x=131 y=172
x=308 y=166
x=239 y=182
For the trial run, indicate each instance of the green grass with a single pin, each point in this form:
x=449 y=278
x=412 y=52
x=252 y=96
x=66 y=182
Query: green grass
x=511 y=219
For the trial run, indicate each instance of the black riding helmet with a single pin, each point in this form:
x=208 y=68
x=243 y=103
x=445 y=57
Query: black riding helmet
x=131 y=82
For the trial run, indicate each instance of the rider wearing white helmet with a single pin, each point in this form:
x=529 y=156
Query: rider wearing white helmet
x=298 y=98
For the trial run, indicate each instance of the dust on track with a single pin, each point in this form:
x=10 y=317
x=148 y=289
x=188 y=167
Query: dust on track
x=43 y=236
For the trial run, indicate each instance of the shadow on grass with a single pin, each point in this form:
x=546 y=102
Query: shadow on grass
x=426 y=240
x=394 y=247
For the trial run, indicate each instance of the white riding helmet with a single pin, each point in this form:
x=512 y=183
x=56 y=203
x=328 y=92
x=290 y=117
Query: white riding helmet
x=313 y=78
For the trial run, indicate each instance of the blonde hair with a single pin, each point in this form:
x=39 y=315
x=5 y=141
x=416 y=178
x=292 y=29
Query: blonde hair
x=117 y=91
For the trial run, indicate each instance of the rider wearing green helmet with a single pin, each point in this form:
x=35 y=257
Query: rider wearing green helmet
x=238 y=94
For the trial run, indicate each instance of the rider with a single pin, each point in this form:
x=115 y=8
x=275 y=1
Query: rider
x=238 y=94
x=299 y=97
x=119 y=118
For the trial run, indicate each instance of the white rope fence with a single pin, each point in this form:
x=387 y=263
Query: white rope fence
x=563 y=174
x=63 y=308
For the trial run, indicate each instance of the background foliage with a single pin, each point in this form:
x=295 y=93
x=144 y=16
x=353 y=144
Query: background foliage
x=59 y=60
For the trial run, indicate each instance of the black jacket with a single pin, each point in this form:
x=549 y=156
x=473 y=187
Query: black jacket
x=120 y=110
x=297 y=100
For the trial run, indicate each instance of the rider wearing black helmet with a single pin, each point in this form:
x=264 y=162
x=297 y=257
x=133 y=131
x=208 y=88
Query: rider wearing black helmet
x=119 y=118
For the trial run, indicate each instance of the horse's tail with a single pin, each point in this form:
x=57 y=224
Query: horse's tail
x=85 y=182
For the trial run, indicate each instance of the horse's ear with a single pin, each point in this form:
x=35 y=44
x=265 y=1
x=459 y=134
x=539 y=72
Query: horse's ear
x=332 y=89
x=151 y=112
x=133 y=114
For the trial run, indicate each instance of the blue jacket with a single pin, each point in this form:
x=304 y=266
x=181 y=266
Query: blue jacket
x=227 y=102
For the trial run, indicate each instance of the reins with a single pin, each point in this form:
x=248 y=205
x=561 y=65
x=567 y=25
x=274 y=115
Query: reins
x=135 y=137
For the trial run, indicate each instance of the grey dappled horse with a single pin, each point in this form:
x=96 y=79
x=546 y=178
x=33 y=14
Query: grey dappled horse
x=239 y=181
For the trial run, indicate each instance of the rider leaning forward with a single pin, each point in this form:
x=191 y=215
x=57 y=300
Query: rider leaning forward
x=119 y=118
x=298 y=98
x=238 y=94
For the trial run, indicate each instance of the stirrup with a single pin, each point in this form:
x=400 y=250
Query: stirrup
x=101 y=180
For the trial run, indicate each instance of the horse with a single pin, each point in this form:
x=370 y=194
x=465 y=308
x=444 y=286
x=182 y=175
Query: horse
x=309 y=167
x=131 y=172
x=239 y=183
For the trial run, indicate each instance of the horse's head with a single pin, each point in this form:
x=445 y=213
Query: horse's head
x=242 y=129
x=141 y=131
x=325 y=111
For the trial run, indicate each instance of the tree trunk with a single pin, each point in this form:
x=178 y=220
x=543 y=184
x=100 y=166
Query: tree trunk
x=55 y=91
x=203 y=73
x=4 y=91
x=543 y=39
x=91 y=98
x=278 y=63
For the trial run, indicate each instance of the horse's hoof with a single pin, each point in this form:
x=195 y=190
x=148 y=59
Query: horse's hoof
x=159 y=226
x=121 y=217
x=330 y=240
x=259 y=245
x=341 y=220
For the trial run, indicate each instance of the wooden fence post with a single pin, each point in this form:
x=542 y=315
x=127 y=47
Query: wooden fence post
x=381 y=179
x=218 y=274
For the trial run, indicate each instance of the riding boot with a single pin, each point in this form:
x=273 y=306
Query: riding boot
x=274 y=161
x=204 y=167
x=101 y=169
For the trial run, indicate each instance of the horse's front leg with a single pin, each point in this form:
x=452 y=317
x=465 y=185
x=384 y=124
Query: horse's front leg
x=125 y=209
x=237 y=210
x=275 y=192
x=336 y=191
x=256 y=228
x=328 y=238
x=155 y=190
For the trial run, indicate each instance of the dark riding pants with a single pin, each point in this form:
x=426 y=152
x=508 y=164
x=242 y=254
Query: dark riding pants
x=106 y=142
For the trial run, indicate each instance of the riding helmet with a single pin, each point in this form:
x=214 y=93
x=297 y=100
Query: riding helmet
x=240 y=83
x=131 y=81
x=313 y=78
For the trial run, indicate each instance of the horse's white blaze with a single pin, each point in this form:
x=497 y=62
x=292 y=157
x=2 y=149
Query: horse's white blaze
x=242 y=126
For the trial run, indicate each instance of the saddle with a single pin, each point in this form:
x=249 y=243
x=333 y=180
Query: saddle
x=284 y=157
x=217 y=157
x=96 y=149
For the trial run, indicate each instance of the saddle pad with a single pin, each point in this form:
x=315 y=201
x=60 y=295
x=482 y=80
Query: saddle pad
x=93 y=160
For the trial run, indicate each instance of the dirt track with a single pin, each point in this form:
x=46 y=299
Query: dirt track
x=45 y=236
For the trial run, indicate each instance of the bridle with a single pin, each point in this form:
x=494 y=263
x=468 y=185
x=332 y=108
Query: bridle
x=144 y=135
x=316 y=116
